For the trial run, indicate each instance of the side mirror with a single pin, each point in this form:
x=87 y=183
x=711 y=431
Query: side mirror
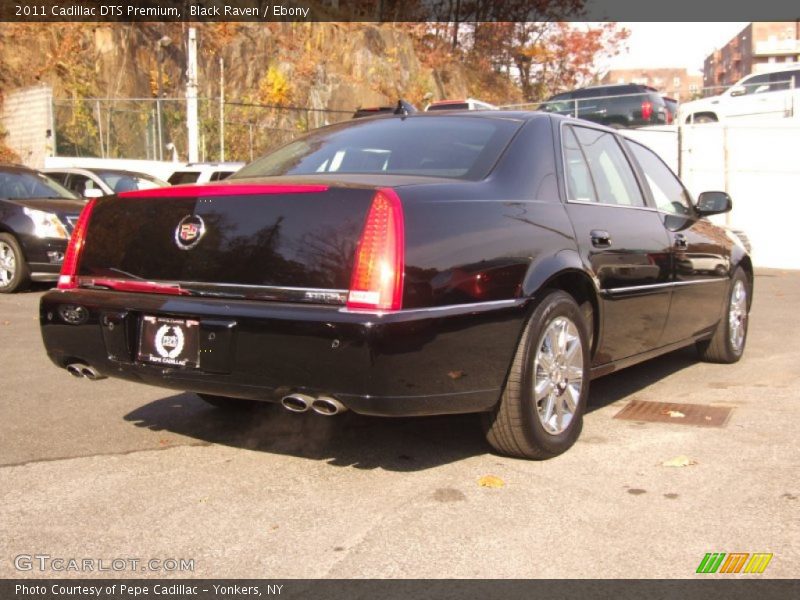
x=738 y=90
x=713 y=203
x=93 y=193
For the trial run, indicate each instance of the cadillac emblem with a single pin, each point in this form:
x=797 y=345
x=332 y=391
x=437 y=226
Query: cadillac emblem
x=189 y=232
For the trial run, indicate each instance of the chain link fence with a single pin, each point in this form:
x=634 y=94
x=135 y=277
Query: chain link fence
x=155 y=129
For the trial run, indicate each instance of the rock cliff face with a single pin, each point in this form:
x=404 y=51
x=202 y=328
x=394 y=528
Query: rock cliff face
x=318 y=66
x=337 y=65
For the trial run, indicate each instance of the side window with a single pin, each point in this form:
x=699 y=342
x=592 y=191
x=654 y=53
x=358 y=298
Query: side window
x=783 y=80
x=611 y=172
x=58 y=177
x=757 y=85
x=580 y=187
x=80 y=183
x=668 y=192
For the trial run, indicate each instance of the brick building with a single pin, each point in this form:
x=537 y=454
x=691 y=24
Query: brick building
x=757 y=48
x=680 y=84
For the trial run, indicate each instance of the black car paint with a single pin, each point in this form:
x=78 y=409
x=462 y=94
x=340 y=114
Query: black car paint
x=478 y=254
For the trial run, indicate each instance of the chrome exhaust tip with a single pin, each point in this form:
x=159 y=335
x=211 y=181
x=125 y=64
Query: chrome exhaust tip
x=76 y=370
x=327 y=406
x=80 y=370
x=298 y=403
x=91 y=374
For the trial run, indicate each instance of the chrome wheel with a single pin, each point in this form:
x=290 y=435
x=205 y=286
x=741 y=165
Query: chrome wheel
x=737 y=316
x=8 y=264
x=558 y=375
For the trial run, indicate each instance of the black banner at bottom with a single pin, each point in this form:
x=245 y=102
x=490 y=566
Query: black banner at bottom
x=406 y=589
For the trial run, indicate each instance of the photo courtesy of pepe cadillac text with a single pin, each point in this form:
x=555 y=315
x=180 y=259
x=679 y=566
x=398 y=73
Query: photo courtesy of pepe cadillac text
x=139 y=589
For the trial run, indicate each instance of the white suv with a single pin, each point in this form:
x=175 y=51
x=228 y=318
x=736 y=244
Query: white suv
x=764 y=95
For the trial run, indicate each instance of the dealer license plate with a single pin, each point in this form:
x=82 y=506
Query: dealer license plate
x=170 y=342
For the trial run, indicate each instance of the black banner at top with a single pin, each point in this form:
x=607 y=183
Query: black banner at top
x=396 y=10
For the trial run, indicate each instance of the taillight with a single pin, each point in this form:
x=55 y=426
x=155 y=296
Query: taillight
x=69 y=270
x=647 y=110
x=377 y=281
x=669 y=117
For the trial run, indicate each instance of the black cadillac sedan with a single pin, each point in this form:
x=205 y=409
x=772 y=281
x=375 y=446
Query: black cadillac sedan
x=422 y=264
x=36 y=219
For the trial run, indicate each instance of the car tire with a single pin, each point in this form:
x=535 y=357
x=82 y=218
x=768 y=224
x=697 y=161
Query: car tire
x=14 y=272
x=548 y=382
x=729 y=339
x=231 y=404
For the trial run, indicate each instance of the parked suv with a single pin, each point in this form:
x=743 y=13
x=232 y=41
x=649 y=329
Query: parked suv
x=624 y=105
x=204 y=172
x=764 y=95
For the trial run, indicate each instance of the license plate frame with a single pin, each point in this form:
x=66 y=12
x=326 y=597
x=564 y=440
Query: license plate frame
x=169 y=342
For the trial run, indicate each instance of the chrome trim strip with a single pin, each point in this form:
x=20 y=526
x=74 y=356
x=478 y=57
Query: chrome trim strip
x=236 y=290
x=655 y=286
x=434 y=309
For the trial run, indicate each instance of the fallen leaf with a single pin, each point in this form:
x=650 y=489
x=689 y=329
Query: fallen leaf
x=679 y=461
x=675 y=414
x=455 y=374
x=163 y=442
x=491 y=481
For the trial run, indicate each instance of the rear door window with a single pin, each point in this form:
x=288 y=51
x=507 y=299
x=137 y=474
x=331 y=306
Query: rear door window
x=611 y=172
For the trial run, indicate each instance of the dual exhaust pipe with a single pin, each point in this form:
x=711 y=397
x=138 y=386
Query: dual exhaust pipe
x=81 y=370
x=322 y=405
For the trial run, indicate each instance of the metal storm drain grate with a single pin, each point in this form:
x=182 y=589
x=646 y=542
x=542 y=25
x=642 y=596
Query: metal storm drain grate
x=682 y=414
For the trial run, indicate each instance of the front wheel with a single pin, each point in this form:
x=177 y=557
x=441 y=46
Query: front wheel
x=727 y=343
x=14 y=274
x=540 y=414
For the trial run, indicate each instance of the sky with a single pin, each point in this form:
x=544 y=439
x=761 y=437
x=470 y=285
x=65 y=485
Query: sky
x=683 y=45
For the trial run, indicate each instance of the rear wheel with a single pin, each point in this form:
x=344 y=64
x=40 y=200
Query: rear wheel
x=727 y=343
x=540 y=414
x=14 y=273
x=230 y=404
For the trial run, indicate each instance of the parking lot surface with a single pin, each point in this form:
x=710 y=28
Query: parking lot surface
x=110 y=469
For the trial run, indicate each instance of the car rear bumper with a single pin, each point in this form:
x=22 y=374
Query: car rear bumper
x=413 y=362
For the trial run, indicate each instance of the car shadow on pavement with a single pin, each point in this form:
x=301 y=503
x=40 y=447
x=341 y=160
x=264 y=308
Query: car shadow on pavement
x=347 y=440
x=351 y=440
x=627 y=382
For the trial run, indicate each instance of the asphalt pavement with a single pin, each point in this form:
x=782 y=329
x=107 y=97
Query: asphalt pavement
x=114 y=470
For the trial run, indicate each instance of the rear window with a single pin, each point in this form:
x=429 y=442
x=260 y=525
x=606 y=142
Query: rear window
x=442 y=146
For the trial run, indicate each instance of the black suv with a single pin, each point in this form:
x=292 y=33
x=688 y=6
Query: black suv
x=623 y=105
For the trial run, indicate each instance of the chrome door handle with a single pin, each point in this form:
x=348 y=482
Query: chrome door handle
x=600 y=238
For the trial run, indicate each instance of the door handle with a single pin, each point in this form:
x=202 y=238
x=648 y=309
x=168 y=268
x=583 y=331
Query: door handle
x=600 y=238
x=680 y=241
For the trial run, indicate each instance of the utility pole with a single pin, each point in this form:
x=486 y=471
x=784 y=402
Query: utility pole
x=160 y=45
x=221 y=109
x=191 y=96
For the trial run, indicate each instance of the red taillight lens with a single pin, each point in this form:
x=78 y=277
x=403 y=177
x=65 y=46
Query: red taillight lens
x=669 y=118
x=647 y=110
x=377 y=281
x=69 y=270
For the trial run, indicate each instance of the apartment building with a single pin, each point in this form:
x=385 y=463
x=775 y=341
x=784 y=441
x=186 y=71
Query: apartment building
x=759 y=47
